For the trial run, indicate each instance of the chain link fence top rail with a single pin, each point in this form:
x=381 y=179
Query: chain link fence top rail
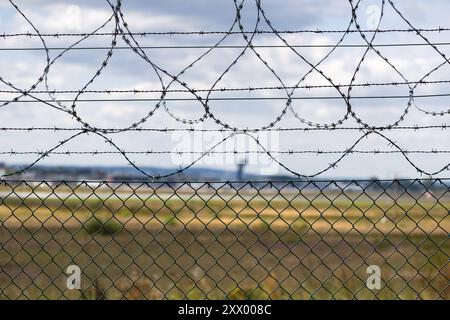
x=227 y=240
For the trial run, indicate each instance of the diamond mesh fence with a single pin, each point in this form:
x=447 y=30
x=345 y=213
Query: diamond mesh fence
x=225 y=240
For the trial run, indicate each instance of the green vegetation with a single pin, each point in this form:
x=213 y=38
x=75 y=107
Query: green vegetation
x=109 y=227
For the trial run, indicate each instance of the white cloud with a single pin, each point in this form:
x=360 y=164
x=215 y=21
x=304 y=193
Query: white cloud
x=126 y=70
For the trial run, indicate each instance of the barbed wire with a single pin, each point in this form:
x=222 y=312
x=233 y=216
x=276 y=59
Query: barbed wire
x=204 y=33
x=231 y=46
x=226 y=89
x=232 y=152
x=122 y=30
x=248 y=129
x=229 y=98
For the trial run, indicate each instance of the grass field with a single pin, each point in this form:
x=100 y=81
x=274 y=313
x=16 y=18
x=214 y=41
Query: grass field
x=190 y=243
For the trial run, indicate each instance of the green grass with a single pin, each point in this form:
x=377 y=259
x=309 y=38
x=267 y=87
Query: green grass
x=108 y=227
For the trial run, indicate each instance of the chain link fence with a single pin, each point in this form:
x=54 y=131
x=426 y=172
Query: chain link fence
x=225 y=240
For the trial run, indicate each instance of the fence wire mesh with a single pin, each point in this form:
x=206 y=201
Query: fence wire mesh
x=232 y=240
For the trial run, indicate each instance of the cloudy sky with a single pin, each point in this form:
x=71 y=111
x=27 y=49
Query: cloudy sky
x=127 y=70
